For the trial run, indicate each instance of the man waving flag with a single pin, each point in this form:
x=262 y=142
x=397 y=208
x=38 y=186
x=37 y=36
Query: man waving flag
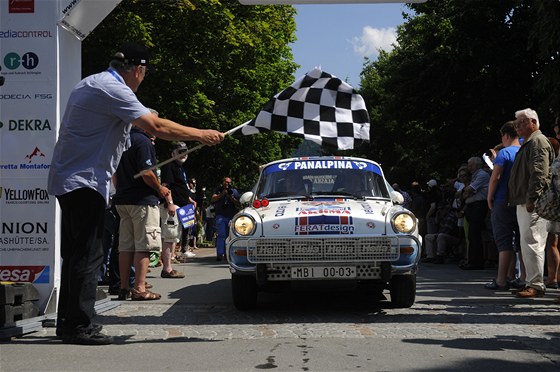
x=318 y=107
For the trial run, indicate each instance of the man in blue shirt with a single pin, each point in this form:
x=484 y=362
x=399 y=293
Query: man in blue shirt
x=93 y=135
x=504 y=219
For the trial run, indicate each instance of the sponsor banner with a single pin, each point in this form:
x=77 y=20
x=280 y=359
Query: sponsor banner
x=39 y=275
x=27 y=234
x=31 y=95
x=324 y=209
x=21 y=6
x=32 y=128
x=26 y=159
x=304 y=165
x=41 y=19
x=28 y=114
x=28 y=126
x=25 y=274
x=186 y=215
x=28 y=42
x=324 y=225
x=25 y=64
x=30 y=33
x=22 y=193
x=324 y=219
x=27 y=229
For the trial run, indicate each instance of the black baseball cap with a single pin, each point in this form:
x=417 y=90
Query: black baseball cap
x=133 y=53
x=179 y=146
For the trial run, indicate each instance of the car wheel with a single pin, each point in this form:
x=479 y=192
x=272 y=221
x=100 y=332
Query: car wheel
x=244 y=291
x=403 y=290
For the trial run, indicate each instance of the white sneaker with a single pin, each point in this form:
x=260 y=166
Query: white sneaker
x=189 y=254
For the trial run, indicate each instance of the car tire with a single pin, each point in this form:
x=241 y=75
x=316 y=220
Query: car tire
x=403 y=290
x=244 y=291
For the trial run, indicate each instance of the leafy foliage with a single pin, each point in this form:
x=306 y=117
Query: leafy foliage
x=460 y=70
x=214 y=65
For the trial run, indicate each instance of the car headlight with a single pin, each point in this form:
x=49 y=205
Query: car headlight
x=244 y=225
x=403 y=223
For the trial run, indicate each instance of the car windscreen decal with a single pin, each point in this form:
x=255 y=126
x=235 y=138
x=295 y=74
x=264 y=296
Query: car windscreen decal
x=322 y=164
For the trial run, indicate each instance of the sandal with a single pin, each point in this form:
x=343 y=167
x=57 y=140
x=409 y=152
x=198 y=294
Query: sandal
x=173 y=274
x=148 y=286
x=144 y=296
x=124 y=294
x=494 y=286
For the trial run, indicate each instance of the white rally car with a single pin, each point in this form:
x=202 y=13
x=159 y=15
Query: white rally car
x=323 y=218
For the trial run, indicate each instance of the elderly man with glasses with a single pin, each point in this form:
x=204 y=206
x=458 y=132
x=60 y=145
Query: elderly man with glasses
x=529 y=177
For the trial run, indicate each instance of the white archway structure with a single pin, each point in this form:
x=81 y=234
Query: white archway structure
x=40 y=62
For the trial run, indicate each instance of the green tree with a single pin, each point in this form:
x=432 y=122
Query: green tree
x=214 y=65
x=544 y=41
x=460 y=71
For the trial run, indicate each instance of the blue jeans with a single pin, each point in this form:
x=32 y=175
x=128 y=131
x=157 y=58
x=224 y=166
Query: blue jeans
x=222 y=224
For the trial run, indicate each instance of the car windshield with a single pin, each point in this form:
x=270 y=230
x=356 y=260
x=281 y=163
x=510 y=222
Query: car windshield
x=322 y=178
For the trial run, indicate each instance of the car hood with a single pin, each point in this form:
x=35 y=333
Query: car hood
x=323 y=217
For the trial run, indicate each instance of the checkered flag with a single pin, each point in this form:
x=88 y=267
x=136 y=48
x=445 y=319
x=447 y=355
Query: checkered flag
x=318 y=107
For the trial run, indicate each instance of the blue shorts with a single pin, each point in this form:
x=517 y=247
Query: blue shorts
x=504 y=227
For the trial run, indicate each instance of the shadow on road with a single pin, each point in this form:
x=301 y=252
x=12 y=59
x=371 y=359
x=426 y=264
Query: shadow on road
x=445 y=294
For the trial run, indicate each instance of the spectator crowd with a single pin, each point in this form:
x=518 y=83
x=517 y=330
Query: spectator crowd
x=484 y=216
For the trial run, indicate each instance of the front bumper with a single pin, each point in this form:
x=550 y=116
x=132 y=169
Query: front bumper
x=373 y=256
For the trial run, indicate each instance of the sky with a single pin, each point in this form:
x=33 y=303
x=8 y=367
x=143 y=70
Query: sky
x=338 y=37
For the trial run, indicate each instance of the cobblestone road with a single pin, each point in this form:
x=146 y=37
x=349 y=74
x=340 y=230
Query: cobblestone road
x=451 y=306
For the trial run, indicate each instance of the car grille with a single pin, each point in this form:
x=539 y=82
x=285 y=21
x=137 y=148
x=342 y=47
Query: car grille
x=289 y=249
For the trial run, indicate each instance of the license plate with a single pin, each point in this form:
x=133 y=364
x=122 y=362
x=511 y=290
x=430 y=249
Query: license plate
x=323 y=272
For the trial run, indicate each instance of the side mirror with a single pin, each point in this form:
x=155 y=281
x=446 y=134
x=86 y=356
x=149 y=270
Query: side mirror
x=397 y=197
x=245 y=199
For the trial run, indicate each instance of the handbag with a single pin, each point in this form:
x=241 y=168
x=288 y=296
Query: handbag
x=547 y=205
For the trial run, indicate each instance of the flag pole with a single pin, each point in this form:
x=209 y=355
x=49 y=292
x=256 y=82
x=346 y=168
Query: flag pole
x=181 y=154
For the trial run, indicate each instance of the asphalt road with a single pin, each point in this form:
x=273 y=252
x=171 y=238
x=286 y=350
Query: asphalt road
x=455 y=325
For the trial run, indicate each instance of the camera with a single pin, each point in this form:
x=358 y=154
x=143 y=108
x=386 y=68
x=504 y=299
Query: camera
x=229 y=189
x=170 y=221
